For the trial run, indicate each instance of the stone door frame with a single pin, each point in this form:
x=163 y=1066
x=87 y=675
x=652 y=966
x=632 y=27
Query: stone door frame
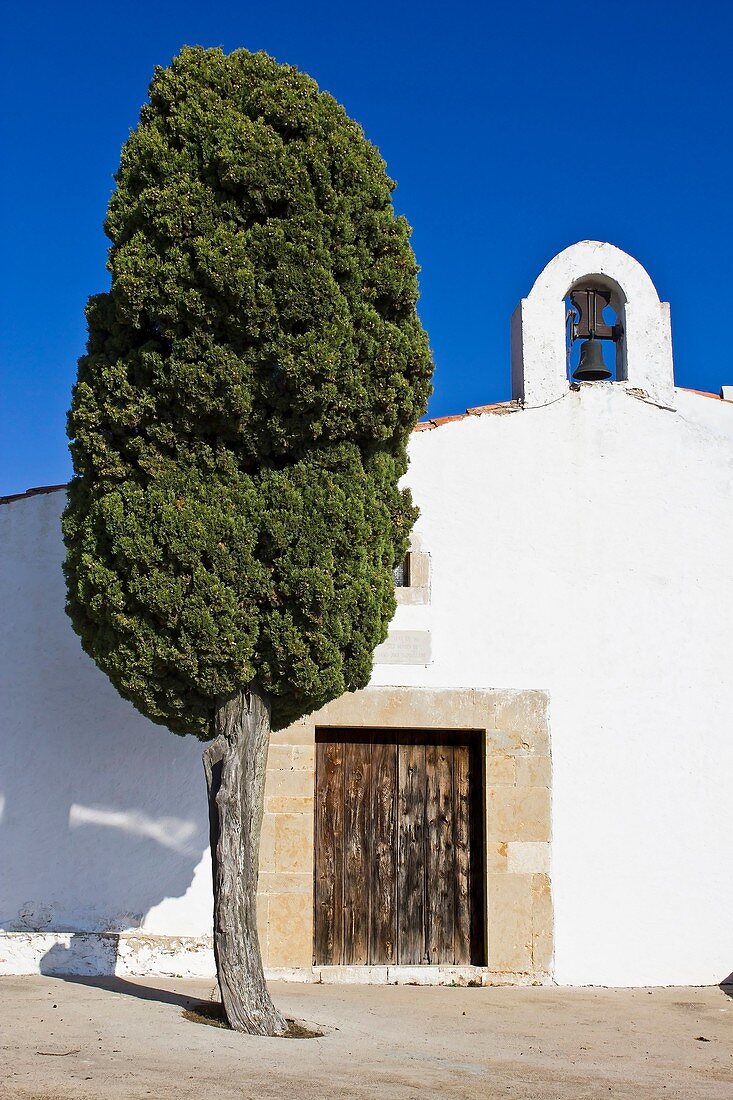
x=517 y=784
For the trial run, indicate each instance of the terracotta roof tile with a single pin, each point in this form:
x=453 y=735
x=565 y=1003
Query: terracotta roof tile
x=497 y=407
x=37 y=492
x=476 y=410
x=704 y=393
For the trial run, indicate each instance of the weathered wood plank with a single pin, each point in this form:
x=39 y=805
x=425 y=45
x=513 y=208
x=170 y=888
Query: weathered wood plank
x=462 y=844
x=357 y=852
x=477 y=876
x=411 y=854
x=383 y=920
x=329 y=855
x=439 y=854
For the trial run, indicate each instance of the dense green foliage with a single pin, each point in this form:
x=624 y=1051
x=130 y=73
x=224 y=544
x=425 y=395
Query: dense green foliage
x=240 y=419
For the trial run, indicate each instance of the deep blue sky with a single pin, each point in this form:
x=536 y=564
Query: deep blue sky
x=513 y=130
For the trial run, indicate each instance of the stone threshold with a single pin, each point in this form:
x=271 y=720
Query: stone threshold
x=402 y=975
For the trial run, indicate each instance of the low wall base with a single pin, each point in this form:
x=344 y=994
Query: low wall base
x=106 y=953
x=123 y=955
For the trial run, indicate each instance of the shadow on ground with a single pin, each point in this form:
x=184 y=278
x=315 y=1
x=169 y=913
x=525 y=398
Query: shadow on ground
x=134 y=989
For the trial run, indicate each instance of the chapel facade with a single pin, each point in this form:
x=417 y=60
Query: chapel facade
x=532 y=786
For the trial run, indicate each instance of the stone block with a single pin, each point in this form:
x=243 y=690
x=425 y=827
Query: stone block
x=300 y=733
x=501 y=811
x=414 y=975
x=532 y=819
x=307 y=974
x=267 y=843
x=289 y=783
x=528 y=857
x=525 y=711
x=510 y=923
x=404 y=647
x=496 y=855
x=284 y=805
x=353 y=975
x=279 y=757
x=421 y=708
x=500 y=770
x=412 y=597
x=542 y=924
x=294 y=844
x=290 y=930
x=518 y=813
x=304 y=756
x=534 y=771
x=277 y=882
x=509 y=742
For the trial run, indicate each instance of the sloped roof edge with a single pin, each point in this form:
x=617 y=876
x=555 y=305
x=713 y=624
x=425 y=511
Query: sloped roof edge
x=497 y=408
x=500 y=407
x=40 y=490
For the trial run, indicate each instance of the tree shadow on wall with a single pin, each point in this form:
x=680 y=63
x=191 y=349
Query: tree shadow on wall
x=103 y=815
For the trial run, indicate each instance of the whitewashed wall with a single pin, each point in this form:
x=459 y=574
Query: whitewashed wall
x=103 y=819
x=585 y=548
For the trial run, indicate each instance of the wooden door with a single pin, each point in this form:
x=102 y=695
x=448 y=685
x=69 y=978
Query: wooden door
x=398 y=848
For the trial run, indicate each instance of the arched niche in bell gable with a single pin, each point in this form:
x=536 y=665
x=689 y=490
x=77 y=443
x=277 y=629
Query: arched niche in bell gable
x=643 y=359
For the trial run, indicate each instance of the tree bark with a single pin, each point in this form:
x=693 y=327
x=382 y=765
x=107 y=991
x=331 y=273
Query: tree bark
x=235 y=764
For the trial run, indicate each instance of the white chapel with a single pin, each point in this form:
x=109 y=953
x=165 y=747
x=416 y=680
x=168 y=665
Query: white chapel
x=533 y=787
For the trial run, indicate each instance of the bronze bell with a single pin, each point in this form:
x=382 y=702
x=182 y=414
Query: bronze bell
x=591 y=367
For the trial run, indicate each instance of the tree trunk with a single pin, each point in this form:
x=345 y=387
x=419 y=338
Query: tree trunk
x=235 y=764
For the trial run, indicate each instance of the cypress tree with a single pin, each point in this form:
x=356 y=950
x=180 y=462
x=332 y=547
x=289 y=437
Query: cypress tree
x=238 y=430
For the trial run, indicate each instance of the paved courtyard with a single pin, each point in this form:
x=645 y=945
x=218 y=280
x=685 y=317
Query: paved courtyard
x=115 y=1039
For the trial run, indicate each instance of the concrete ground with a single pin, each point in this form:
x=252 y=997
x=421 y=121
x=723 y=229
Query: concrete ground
x=115 y=1039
